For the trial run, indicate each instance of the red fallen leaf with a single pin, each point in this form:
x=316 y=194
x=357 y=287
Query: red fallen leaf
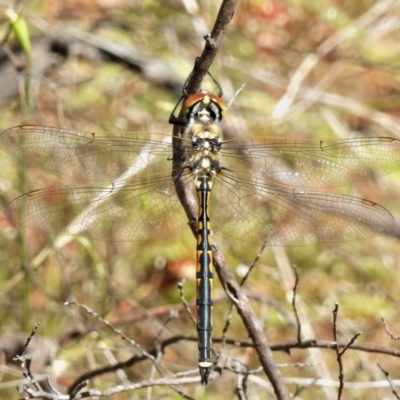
x=177 y=270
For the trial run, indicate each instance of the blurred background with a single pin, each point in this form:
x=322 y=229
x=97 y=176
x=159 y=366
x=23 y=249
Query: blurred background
x=319 y=70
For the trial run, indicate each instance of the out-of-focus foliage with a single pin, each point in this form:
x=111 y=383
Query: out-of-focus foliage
x=321 y=70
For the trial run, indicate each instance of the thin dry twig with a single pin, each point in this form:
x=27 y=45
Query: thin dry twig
x=296 y=314
x=185 y=303
x=222 y=359
x=33 y=387
x=340 y=353
x=393 y=337
x=391 y=383
x=151 y=355
x=338 y=356
x=222 y=362
x=314 y=94
x=377 y=11
x=41 y=394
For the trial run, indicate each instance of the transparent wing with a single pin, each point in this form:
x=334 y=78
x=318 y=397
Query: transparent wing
x=140 y=204
x=312 y=164
x=88 y=157
x=253 y=200
x=279 y=216
x=119 y=212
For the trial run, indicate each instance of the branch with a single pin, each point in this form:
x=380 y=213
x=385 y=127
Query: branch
x=213 y=44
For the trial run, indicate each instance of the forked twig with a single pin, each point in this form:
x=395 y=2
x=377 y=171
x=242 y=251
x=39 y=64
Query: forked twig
x=340 y=353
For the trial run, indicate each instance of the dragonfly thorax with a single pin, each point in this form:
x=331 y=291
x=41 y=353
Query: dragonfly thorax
x=204 y=112
x=206 y=144
x=206 y=159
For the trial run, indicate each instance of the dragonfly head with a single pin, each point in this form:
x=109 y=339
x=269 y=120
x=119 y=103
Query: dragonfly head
x=204 y=107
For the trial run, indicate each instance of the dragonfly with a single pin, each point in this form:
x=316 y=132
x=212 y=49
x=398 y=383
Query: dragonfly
x=261 y=190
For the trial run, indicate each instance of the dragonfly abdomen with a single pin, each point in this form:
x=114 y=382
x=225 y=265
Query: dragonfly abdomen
x=204 y=278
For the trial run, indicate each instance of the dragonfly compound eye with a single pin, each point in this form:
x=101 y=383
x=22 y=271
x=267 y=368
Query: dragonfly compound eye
x=204 y=104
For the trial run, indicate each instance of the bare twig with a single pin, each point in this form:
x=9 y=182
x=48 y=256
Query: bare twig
x=222 y=361
x=377 y=11
x=338 y=356
x=33 y=387
x=213 y=44
x=151 y=355
x=118 y=332
x=296 y=314
x=28 y=340
x=185 y=303
x=391 y=383
x=340 y=353
x=393 y=337
x=241 y=387
x=350 y=105
x=252 y=325
x=243 y=281
x=41 y=394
